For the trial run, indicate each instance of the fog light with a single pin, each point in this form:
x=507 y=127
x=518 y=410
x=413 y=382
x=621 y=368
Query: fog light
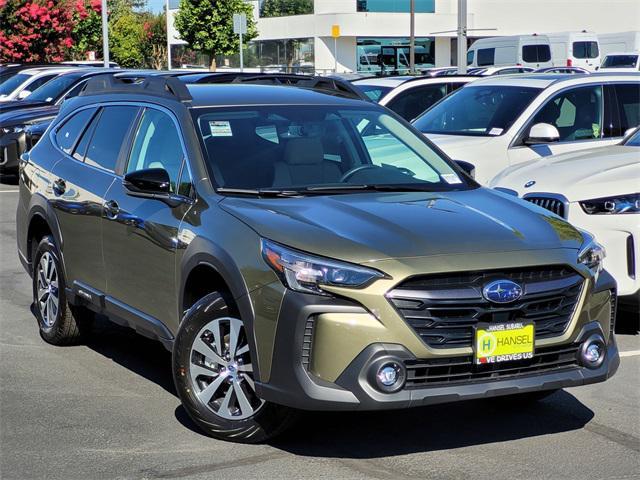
x=592 y=352
x=390 y=377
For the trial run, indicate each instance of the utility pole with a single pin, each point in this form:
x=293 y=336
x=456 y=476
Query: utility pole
x=462 y=37
x=105 y=34
x=412 y=37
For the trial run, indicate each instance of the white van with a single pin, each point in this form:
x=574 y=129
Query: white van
x=619 y=42
x=526 y=50
x=575 y=49
x=621 y=62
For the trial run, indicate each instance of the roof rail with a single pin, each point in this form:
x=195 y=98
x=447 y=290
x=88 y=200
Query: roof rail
x=158 y=86
x=329 y=85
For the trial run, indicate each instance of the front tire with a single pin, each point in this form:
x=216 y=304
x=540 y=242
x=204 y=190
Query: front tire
x=59 y=323
x=214 y=376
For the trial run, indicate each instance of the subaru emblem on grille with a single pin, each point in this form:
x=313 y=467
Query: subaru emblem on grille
x=502 y=291
x=530 y=183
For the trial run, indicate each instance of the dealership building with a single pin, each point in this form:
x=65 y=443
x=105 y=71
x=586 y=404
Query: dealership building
x=296 y=35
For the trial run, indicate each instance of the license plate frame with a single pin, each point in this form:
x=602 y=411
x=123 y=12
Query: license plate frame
x=503 y=342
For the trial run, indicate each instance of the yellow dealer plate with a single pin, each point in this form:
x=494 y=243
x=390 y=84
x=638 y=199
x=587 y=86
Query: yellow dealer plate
x=503 y=342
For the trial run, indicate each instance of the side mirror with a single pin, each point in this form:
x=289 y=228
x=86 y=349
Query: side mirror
x=149 y=181
x=542 y=133
x=22 y=94
x=469 y=168
x=152 y=183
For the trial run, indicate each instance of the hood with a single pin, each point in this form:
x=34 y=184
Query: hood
x=28 y=115
x=19 y=104
x=373 y=226
x=595 y=173
x=452 y=144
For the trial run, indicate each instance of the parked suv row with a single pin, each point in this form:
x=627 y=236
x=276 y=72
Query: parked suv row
x=298 y=249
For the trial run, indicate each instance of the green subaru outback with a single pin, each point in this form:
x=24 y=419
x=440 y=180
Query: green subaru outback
x=301 y=249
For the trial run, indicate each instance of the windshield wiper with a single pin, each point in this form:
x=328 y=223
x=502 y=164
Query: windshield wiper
x=369 y=188
x=259 y=192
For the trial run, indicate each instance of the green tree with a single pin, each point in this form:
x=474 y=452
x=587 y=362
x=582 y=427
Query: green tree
x=87 y=33
x=207 y=25
x=126 y=40
x=155 y=40
x=281 y=8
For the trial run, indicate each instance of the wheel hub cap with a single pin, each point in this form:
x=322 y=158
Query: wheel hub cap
x=47 y=289
x=221 y=371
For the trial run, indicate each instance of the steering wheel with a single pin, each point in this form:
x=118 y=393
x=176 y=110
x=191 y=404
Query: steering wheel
x=347 y=175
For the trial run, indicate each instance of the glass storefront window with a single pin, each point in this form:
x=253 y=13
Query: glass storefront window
x=399 y=6
x=290 y=55
x=392 y=54
x=284 y=8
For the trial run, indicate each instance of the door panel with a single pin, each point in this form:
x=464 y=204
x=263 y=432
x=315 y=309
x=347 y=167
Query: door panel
x=140 y=234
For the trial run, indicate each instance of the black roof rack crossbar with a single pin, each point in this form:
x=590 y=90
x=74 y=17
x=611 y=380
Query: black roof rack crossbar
x=329 y=85
x=162 y=86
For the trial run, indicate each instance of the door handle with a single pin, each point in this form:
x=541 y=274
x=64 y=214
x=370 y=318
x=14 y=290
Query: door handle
x=59 y=186
x=111 y=209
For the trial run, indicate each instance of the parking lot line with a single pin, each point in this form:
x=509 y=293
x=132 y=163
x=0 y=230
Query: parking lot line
x=9 y=191
x=631 y=353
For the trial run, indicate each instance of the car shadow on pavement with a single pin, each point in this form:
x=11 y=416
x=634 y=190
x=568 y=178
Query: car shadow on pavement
x=363 y=435
x=145 y=357
x=8 y=179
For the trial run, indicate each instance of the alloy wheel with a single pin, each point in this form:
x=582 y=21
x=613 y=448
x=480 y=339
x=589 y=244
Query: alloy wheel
x=48 y=293
x=221 y=371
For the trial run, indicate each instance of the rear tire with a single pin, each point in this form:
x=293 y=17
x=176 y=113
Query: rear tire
x=59 y=323
x=213 y=375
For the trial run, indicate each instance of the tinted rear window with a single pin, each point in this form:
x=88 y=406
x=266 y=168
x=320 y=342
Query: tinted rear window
x=585 y=49
x=536 y=53
x=109 y=135
x=620 y=61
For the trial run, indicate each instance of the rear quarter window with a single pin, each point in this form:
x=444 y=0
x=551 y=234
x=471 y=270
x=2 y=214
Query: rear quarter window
x=68 y=133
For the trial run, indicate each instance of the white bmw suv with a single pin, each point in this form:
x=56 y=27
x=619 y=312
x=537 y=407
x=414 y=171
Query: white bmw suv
x=597 y=190
x=500 y=121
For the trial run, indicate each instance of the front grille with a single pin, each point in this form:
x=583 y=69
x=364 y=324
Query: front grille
x=447 y=371
x=552 y=204
x=307 y=342
x=443 y=309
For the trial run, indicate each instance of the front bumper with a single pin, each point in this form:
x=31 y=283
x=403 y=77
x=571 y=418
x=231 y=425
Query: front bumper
x=314 y=334
x=12 y=145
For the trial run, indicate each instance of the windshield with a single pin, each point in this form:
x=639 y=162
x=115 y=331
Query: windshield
x=480 y=111
x=620 y=61
x=53 y=88
x=12 y=83
x=319 y=148
x=374 y=92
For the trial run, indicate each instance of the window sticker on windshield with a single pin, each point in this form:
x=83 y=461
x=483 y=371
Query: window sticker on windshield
x=495 y=131
x=220 y=128
x=451 y=178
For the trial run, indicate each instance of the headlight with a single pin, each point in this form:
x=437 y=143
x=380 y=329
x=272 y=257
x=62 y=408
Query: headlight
x=306 y=273
x=13 y=129
x=612 y=205
x=592 y=256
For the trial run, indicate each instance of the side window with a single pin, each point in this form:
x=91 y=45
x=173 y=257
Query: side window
x=185 y=183
x=68 y=133
x=157 y=145
x=109 y=135
x=536 y=53
x=75 y=90
x=39 y=82
x=485 y=56
x=576 y=113
x=470 y=57
x=413 y=102
x=622 y=109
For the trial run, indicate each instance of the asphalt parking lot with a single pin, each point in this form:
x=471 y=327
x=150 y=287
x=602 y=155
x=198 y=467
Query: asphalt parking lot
x=108 y=410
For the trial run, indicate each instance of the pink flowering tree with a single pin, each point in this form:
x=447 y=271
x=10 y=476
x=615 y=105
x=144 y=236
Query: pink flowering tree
x=35 y=30
x=87 y=30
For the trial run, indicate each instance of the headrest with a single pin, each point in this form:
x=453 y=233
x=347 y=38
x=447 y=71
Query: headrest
x=304 y=151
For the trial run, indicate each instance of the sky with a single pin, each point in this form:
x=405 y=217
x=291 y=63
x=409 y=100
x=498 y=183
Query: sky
x=155 y=6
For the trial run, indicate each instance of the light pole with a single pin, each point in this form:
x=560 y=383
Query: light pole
x=166 y=14
x=105 y=34
x=462 y=37
x=412 y=36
